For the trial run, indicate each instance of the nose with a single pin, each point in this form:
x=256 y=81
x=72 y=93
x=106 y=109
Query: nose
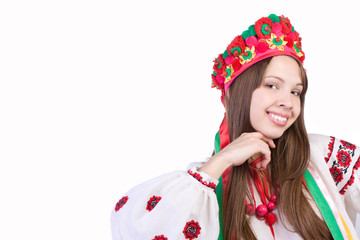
x=285 y=100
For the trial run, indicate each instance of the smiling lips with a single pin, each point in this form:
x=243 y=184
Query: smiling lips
x=278 y=119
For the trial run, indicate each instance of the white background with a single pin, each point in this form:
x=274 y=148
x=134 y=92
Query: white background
x=98 y=96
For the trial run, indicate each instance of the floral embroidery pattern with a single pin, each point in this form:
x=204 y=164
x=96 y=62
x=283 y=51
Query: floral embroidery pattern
x=343 y=158
x=337 y=174
x=198 y=177
x=191 y=230
x=161 y=237
x=121 y=203
x=153 y=201
x=351 y=180
x=342 y=166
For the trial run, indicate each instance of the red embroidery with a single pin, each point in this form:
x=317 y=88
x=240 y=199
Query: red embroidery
x=161 y=237
x=357 y=164
x=331 y=148
x=343 y=158
x=121 y=203
x=153 y=201
x=198 y=177
x=342 y=163
x=348 y=145
x=351 y=180
x=337 y=174
x=191 y=230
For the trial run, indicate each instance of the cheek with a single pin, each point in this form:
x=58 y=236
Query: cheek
x=257 y=99
x=256 y=105
x=297 y=109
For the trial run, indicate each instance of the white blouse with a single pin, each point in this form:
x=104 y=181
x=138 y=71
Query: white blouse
x=183 y=204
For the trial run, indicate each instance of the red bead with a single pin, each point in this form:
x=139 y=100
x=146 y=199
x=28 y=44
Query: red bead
x=262 y=210
x=270 y=218
x=271 y=206
x=273 y=198
x=267 y=28
x=246 y=54
x=250 y=209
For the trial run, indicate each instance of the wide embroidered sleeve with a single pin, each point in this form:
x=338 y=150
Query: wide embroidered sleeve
x=178 y=205
x=343 y=161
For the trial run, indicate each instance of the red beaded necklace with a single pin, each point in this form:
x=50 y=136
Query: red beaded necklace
x=263 y=185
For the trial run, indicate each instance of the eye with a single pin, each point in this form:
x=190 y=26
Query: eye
x=273 y=86
x=296 y=93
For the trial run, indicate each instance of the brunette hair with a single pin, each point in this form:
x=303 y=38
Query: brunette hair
x=288 y=164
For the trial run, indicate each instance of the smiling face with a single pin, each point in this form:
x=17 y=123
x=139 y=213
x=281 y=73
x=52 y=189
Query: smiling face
x=276 y=104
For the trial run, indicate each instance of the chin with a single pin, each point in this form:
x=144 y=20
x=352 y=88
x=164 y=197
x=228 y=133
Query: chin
x=273 y=134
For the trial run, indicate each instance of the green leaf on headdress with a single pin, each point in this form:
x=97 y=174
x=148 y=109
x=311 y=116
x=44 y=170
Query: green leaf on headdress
x=252 y=30
x=246 y=34
x=225 y=54
x=274 y=18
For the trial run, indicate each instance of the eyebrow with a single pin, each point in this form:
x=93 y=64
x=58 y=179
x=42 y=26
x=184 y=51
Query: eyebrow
x=282 y=80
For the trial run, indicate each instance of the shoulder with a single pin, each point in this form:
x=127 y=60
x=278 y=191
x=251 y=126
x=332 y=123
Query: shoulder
x=321 y=145
x=341 y=157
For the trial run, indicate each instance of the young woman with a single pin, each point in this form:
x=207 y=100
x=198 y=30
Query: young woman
x=275 y=180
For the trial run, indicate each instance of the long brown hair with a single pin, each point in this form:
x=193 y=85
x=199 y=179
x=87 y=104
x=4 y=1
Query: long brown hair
x=288 y=163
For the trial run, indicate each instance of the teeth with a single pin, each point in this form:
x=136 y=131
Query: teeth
x=278 y=118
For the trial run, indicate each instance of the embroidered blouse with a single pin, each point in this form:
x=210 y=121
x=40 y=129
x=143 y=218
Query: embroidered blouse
x=183 y=204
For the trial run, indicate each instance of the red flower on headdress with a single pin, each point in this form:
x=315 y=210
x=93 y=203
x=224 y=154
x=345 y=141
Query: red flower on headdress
x=263 y=27
x=237 y=46
x=216 y=83
x=236 y=64
x=290 y=41
x=192 y=230
x=292 y=35
x=161 y=237
x=336 y=174
x=262 y=47
x=286 y=25
x=121 y=203
x=276 y=29
x=298 y=40
x=302 y=58
x=219 y=64
x=343 y=158
x=153 y=201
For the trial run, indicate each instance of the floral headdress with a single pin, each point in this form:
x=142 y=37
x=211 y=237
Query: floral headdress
x=269 y=36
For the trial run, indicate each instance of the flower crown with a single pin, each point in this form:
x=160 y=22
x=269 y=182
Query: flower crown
x=269 y=36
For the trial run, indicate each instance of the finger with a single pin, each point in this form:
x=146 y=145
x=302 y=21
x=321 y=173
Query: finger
x=265 y=154
x=264 y=163
x=269 y=141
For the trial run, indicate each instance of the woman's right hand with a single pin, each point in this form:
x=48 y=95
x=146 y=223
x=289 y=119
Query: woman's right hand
x=246 y=147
